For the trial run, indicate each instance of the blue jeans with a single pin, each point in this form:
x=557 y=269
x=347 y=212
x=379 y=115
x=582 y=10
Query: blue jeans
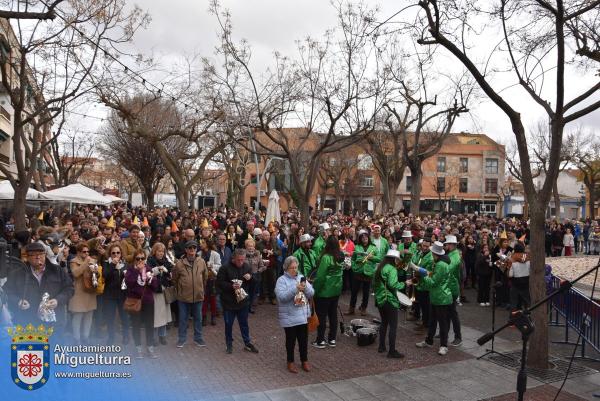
x=242 y=316
x=110 y=308
x=185 y=308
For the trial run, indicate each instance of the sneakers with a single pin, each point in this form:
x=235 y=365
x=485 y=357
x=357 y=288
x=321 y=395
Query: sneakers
x=395 y=355
x=251 y=348
x=423 y=344
x=151 y=352
x=482 y=304
x=456 y=343
x=320 y=344
x=331 y=343
x=443 y=351
x=229 y=349
x=200 y=343
x=487 y=304
x=140 y=352
x=180 y=344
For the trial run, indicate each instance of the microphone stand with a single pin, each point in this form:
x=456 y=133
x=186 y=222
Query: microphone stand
x=521 y=319
x=489 y=351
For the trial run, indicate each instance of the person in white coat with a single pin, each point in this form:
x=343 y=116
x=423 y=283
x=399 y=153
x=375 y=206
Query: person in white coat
x=293 y=293
x=213 y=262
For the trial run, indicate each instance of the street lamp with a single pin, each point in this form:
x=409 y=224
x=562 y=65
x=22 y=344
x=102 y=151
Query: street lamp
x=582 y=193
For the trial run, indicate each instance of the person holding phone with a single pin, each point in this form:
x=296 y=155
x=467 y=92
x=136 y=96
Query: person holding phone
x=293 y=292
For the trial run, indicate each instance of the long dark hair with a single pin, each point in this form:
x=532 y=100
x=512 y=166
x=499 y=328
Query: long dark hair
x=332 y=247
x=386 y=260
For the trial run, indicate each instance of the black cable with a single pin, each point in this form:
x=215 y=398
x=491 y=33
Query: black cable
x=578 y=339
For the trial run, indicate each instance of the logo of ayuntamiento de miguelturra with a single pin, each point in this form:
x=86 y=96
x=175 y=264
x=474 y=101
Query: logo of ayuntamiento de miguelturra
x=30 y=355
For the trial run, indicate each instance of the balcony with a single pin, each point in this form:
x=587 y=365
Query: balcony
x=4 y=159
x=4 y=113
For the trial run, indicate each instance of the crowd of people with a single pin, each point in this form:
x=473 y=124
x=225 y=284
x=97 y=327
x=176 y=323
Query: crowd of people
x=105 y=273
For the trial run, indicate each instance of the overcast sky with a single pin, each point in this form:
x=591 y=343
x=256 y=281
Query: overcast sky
x=184 y=27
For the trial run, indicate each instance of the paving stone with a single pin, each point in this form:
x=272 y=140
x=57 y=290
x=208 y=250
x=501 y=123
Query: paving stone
x=374 y=385
x=286 y=394
x=318 y=392
x=348 y=390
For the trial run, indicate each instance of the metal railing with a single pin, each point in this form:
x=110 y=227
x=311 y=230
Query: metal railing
x=580 y=313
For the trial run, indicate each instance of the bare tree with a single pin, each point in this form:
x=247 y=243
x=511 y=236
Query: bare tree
x=36 y=10
x=587 y=160
x=326 y=92
x=540 y=39
x=72 y=153
x=46 y=66
x=444 y=183
x=335 y=170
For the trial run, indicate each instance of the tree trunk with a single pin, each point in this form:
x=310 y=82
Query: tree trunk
x=149 y=197
x=239 y=198
x=538 y=344
x=305 y=214
x=415 y=194
x=19 y=207
x=183 y=200
x=556 y=199
x=386 y=201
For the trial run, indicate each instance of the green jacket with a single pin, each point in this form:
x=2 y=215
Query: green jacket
x=386 y=287
x=455 y=267
x=307 y=261
x=413 y=250
x=367 y=268
x=328 y=281
x=384 y=247
x=319 y=245
x=424 y=261
x=437 y=284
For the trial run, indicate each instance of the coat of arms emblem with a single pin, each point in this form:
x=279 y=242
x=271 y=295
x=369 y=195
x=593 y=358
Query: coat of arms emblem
x=30 y=356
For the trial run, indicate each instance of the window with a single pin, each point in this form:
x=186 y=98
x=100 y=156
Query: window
x=491 y=186
x=491 y=166
x=464 y=164
x=441 y=185
x=441 y=164
x=488 y=208
x=367 y=181
x=252 y=178
x=365 y=162
x=463 y=185
x=408 y=183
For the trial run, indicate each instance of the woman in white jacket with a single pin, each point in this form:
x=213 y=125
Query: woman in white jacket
x=568 y=242
x=213 y=263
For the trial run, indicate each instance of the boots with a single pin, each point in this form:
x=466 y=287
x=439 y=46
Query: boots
x=350 y=310
x=292 y=368
x=305 y=366
x=363 y=311
x=204 y=321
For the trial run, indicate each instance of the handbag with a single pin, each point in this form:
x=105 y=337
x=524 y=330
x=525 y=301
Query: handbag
x=134 y=305
x=170 y=294
x=313 y=319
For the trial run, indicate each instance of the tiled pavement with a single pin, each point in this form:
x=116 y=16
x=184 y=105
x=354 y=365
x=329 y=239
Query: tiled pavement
x=347 y=372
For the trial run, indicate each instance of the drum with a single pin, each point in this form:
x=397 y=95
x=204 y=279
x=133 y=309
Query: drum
x=366 y=336
x=404 y=299
x=357 y=324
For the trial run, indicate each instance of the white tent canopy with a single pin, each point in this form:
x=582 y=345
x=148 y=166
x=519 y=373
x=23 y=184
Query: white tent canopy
x=77 y=193
x=114 y=199
x=273 y=213
x=7 y=192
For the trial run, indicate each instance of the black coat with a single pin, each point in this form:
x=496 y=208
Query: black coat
x=225 y=286
x=113 y=278
x=483 y=266
x=22 y=284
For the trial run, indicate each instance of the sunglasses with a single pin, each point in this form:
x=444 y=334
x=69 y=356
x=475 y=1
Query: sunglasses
x=139 y=258
x=115 y=253
x=85 y=251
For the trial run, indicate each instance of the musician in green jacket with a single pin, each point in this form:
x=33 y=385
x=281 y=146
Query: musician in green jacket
x=307 y=258
x=440 y=297
x=408 y=248
x=364 y=263
x=386 y=285
x=328 y=287
x=324 y=233
x=423 y=258
x=455 y=269
x=380 y=242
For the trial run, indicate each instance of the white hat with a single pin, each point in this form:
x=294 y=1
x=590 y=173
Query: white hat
x=437 y=248
x=324 y=226
x=406 y=234
x=305 y=237
x=361 y=232
x=257 y=231
x=451 y=239
x=393 y=253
